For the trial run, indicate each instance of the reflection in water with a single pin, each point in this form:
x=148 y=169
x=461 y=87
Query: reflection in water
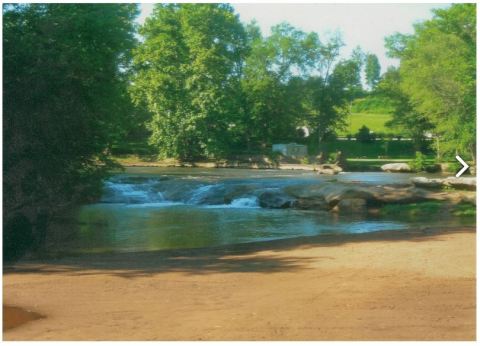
x=152 y=209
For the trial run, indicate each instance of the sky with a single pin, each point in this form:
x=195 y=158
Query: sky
x=364 y=25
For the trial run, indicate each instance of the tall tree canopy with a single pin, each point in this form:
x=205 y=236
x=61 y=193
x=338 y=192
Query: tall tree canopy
x=272 y=82
x=438 y=74
x=372 y=70
x=64 y=91
x=188 y=73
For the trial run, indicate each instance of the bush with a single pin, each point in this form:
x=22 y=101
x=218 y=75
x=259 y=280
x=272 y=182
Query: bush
x=363 y=135
x=420 y=162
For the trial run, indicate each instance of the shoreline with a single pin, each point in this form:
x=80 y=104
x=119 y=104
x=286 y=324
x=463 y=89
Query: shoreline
x=387 y=285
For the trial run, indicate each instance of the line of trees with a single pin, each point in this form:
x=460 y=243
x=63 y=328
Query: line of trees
x=215 y=86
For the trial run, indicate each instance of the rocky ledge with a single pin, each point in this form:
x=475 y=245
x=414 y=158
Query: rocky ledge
x=462 y=183
x=354 y=197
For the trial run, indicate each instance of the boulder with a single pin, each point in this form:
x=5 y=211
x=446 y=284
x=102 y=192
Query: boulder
x=311 y=204
x=396 y=167
x=427 y=183
x=461 y=183
x=275 y=200
x=330 y=169
x=398 y=194
x=351 y=205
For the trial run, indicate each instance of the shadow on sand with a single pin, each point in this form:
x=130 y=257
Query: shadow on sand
x=247 y=257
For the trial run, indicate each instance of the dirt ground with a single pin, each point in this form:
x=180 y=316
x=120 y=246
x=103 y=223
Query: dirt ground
x=383 y=286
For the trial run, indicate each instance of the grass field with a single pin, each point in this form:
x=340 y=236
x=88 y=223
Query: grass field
x=375 y=122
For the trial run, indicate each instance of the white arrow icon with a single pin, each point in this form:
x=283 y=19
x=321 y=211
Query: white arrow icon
x=464 y=168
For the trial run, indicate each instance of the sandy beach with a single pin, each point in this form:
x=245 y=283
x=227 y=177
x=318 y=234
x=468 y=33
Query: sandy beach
x=417 y=285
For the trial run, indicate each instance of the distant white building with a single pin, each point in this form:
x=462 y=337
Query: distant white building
x=291 y=149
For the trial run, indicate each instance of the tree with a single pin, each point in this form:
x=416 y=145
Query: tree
x=187 y=73
x=273 y=85
x=64 y=92
x=404 y=115
x=438 y=73
x=372 y=70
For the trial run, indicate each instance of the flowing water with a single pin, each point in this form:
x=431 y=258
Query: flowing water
x=168 y=208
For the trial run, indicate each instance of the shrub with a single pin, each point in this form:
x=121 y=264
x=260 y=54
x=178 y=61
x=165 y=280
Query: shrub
x=419 y=163
x=363 y=135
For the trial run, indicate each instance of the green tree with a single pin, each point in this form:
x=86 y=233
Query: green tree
x=438 y=73
x=64 y=92
x=273 y=82
x=404 y=116
x=372 y=70
x=187 y=73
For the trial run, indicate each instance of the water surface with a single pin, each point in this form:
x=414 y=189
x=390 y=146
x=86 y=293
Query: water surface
x=169 y=208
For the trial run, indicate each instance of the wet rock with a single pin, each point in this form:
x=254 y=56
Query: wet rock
x=452 y=197
x=327 y=194
x=392 y=194
x=330 y=169
x=275 y=200
x=396 y=167
x=427 y=183
x=462 y=183
x=351 y=205
x=237 y=191
x=311 y=204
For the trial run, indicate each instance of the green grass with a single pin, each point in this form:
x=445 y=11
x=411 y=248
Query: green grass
x=412 y=209
x=430 y=208
x=465 y=209
x=375 y=122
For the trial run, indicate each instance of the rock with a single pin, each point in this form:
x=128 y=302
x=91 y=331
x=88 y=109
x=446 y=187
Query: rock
x=453 y=197
x=351 y=205
x=237 y=191
x=396 y=167
x=275 y=200
x=462 y=183
x=330 y=169
x=427 y=183
x=310 y=204
x=398 y=194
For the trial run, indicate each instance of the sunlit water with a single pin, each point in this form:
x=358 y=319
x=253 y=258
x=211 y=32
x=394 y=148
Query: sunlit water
x=170 y=208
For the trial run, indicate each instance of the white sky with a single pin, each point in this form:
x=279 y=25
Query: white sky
x=365 y=25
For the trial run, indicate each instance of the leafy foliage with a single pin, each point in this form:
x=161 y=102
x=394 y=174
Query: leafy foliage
x=420 y=162
x=438 y=74
x=61 y=63
x=405 y=115
x=188 y=76
x=372 y=70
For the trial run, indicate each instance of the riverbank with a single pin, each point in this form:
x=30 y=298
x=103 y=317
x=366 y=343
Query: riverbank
x=415 y=285
x=266 y=162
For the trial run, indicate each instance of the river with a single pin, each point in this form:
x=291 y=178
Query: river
x=149 y=208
